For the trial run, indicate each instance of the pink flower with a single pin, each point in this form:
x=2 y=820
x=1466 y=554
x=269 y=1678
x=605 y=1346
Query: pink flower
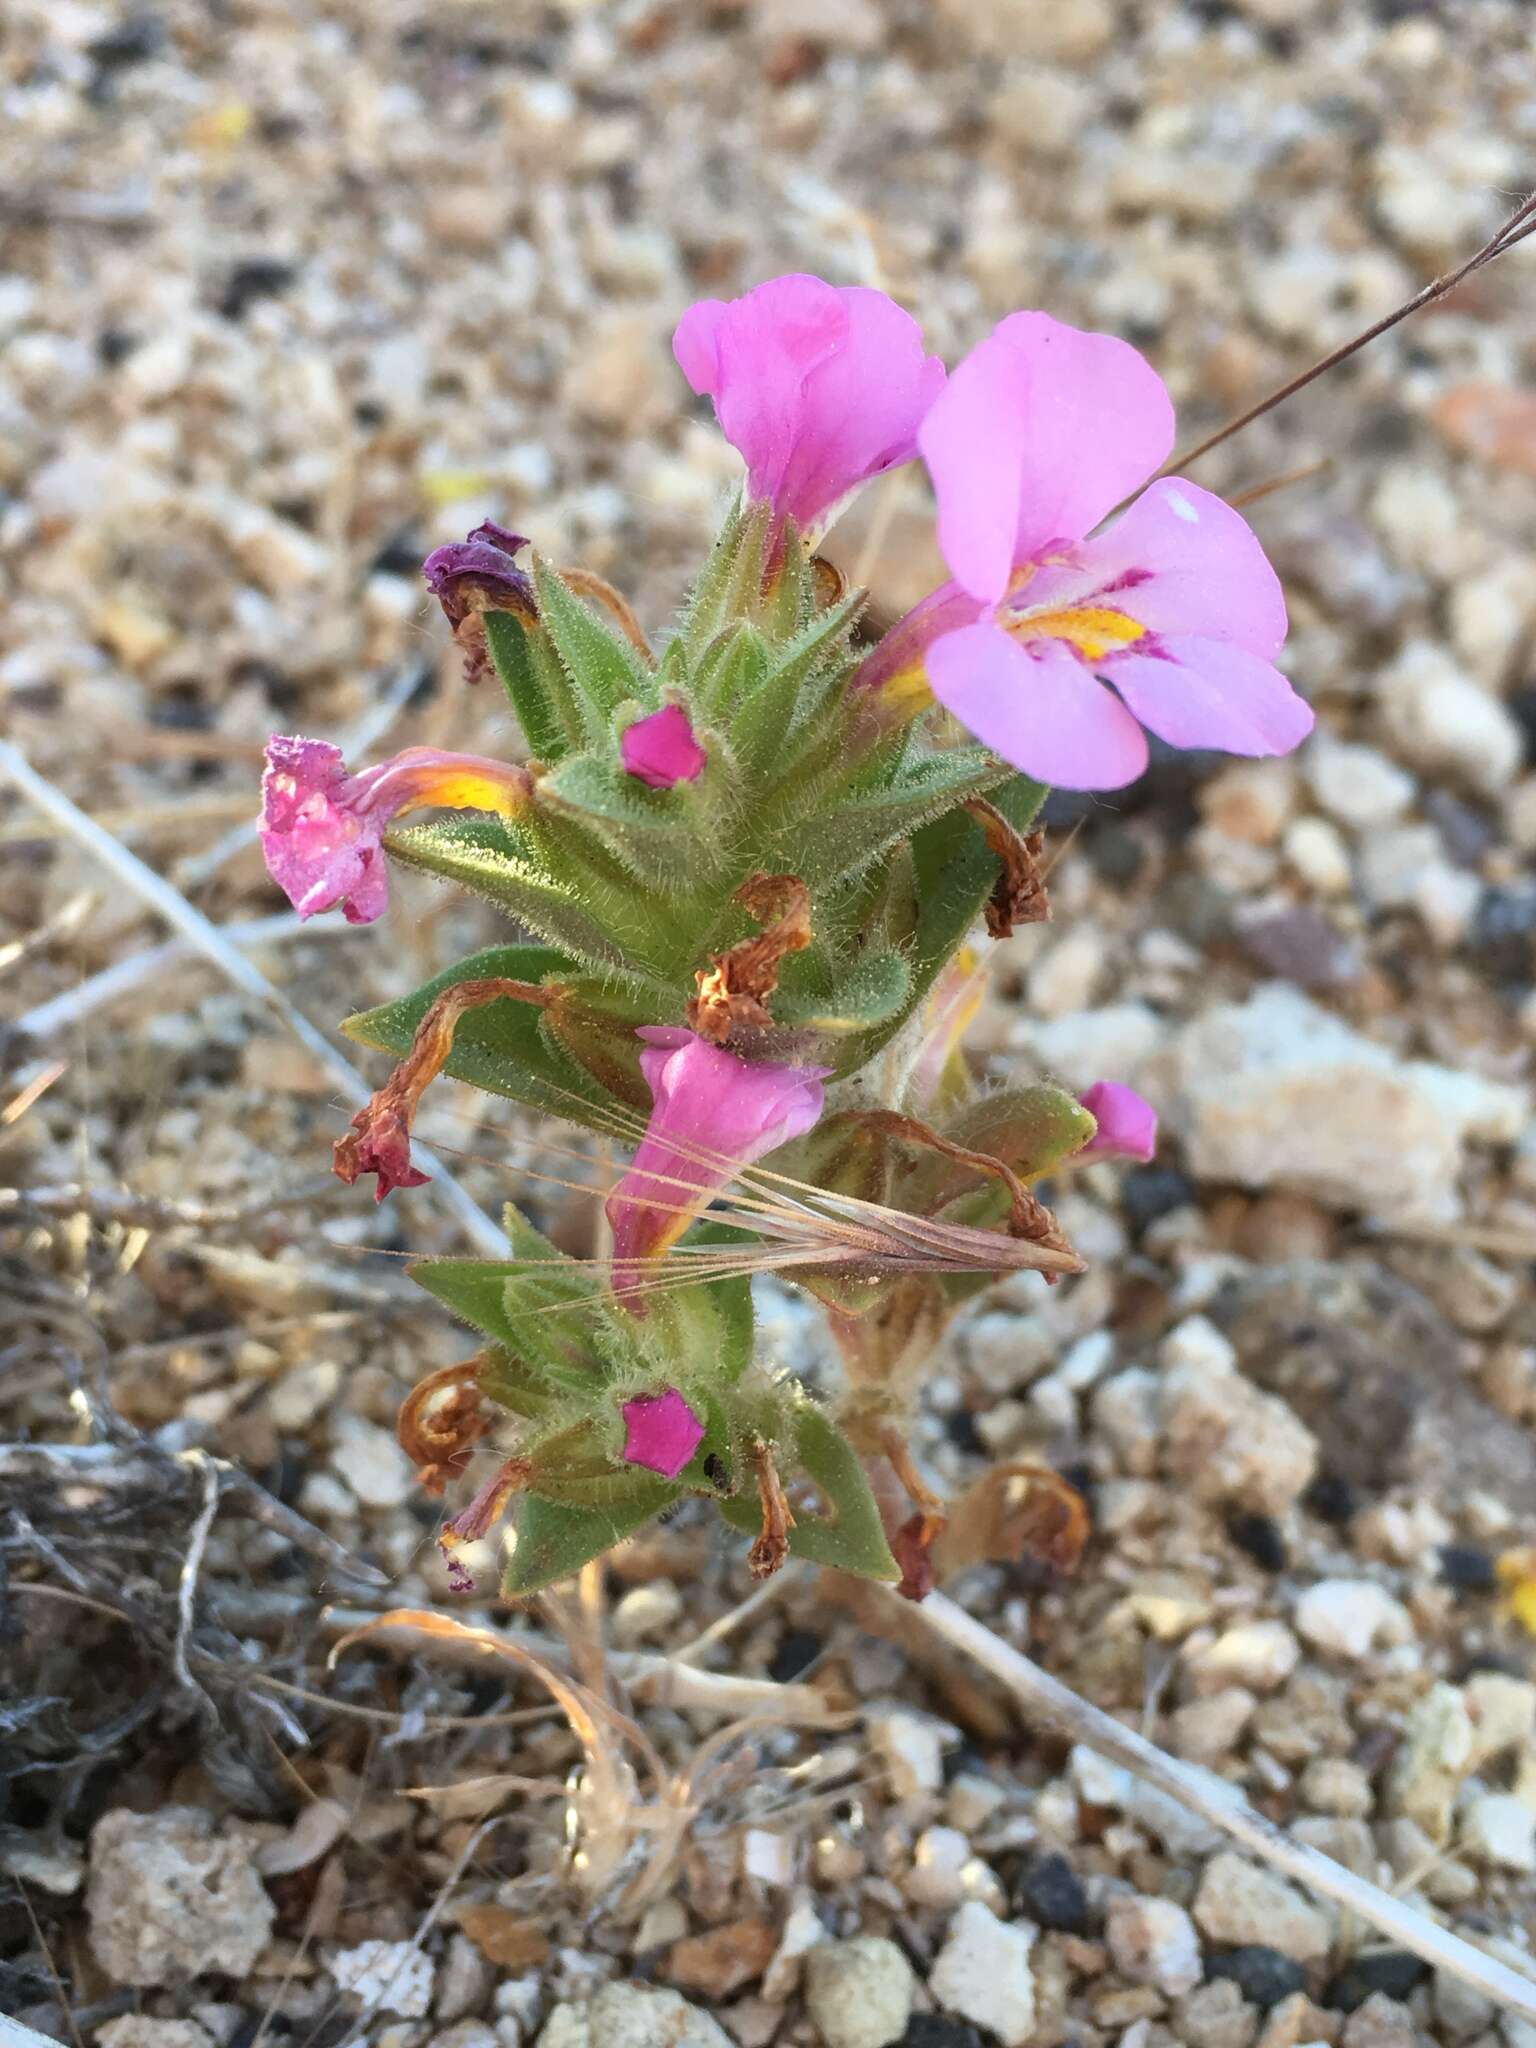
x=661 y=1432
x=321 y=828
x=713 y=1113
x=1127 y=1124
x=661 y=750
x=1038 y=435
x=819 y=387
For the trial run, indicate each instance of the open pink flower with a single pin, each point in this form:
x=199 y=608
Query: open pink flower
x=819 y=387
x=661 y=750
x=1055 y=645
x=321 y=828
x=661 y=1432
x=713 y=1113
x=1127 y=1125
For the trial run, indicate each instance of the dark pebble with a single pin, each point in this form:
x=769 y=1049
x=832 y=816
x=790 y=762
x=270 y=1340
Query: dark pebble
x=796 y=1653
x=264 y=277
x=1300 y=946
x=1259 y=1536
x=960 y=1428
x=1392 y=1970
x=1147 y=1192
x=402 y=556
x=1331 y=1499
x=1263 y=1975
x=1467 y=1568
x=1503 y=934
x=1116 y=855
x=1468 y=833
x=1051 y=1893
x=131 y=42
x=1523 y=706
x=938 y=2030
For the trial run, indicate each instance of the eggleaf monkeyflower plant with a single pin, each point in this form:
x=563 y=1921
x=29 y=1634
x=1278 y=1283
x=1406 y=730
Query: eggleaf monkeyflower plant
x=759 y=870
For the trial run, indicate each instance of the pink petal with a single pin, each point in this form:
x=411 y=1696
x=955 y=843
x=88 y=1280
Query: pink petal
x=1127 y=1125
x=713 y=1113
x=819 y=388
x=1196 y=692
x=1037 y=706
x=661 y=1432
x=661 y=750
x=1040 y=432
x=1187 y=563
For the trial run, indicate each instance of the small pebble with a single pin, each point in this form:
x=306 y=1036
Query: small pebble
x=1468 y=1568
x=1259 y=1536
x=1392 y=1971
x=859 y=1992
x=1052 y=1894
x=1263 y=1975
x=1153 y=1941
x=983 y=1973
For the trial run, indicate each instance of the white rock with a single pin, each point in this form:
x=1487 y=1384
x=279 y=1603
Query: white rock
x=467 y=2034
x=1125 y=1410
x=803 y=1931
x=1239 y=1902
x=1082 y=1048
x=1351 y=1617
x=911 y=1746
x=1442 y=719
x=371 y=1462
x=1196 y=1344
x=1181 y=1832
x=1503 y=1714
x=1065 y=978
x=1278 y=1092
x=939 y=1856
x=1315 y=848
x=170 y=1897
x=633 y=2016
x=983 y=1973
x=1153 y=1941
x=859 y=1992
x=1260 y=1654
x=1356 y=785
x=646 y=1612
x=1227 y=1440
x=768 y=1856
x=130 y=2030
x=463 y=1980
x=1500 y=1829
x=388 y=1976
x=1434 y=1756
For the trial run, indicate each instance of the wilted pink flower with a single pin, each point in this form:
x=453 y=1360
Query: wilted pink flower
x=321 y=828
x=713 y=1113
x=479 y=573
x=819 y=387
x=661 y=1432
x=1127 y=1124
x=1037 y=436
x=661 y=749
x=379 y=1142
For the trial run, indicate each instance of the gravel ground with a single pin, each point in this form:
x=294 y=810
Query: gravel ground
x=289 y=296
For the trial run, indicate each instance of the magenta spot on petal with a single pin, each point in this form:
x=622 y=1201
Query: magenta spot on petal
x=661 y=1432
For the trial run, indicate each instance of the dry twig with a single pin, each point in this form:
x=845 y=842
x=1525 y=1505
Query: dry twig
x=1045 y=1698
x=205 y=938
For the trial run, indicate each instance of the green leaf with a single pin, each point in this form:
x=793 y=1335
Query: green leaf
x=539 y=1304
x=653 y=832
x=604 y=669
x=731 y=580
x=852 y=1538
x=874 y=989
x=481 y=854
x=517 y=1386
x=501 y=1047
x=533 y=679
x=953 y=872
x=555 y=1540
x=708 y=1322
x=853 y=832
x=730 y=670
